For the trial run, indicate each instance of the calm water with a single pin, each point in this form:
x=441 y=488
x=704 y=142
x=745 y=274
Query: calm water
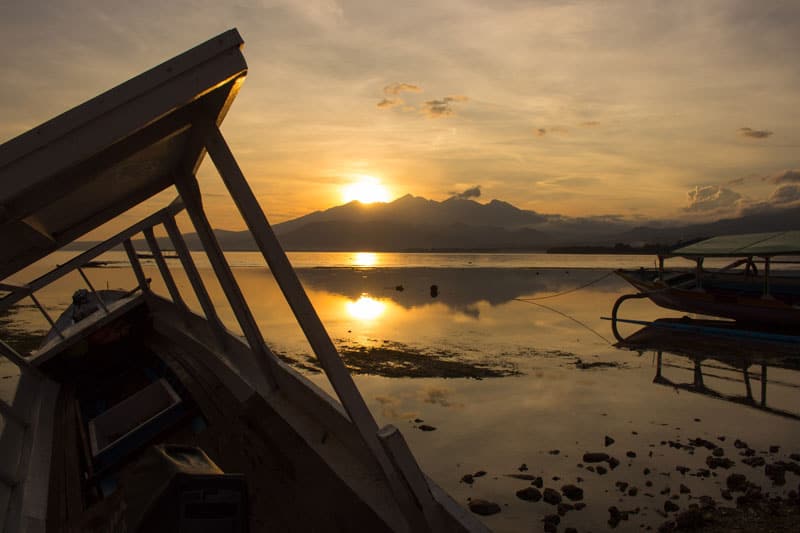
x=551 y=402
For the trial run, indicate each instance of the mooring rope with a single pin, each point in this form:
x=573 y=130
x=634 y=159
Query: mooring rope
x=601 y=278
x=566 y=316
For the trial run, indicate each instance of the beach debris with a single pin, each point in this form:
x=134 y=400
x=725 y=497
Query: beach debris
x=609 y=441
x=529 y=494
x=426 y=427
x=483 y=507
x=551 y=496
x=479 y=473
x=572 y=492
x=554 y=452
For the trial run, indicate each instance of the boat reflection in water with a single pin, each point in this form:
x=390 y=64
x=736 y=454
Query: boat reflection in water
x=726 y=367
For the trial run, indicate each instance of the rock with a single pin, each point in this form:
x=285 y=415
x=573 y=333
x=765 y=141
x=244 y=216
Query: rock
x=467 y=478
x=570 y=530
x=682 y=469
x=747 y=452
x=563 y=508
x=556 y=478
x=523 y=467
x=595 y=457
x=590 y=468
x=524 y=477
x=479 y=473
x=736 y=483
x=483 y=507
x=774 y=449
x=554 y=452
x=551 y=520
x=613 y=462
x=776 y=472
x=538 y=482
x=703 y=472
x=726 y=494
x=646 y=472
x=718 y=462
x=551 y=496
x=609 y=441
x=633 y=491
x=684 y=489
x=721 y=438
x=572 y=492
x=621 y=485
x=399 y=288
x=426 y=427
x=740 y=444
x=691 y=519
x=550 y=528
x=648 y=483
x=670 y=506
x=666 y=527
x=529 y=494
x=579 y=506
x=718 y=452
x=602 y=470
x=794 y=456
x=434 y=291
x=631 y=454
x=418 y=421
x=700 y=442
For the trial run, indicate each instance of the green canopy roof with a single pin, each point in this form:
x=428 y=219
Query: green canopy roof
x=756 y=244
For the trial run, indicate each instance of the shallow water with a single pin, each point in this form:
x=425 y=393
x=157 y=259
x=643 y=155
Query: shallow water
x=553 y=396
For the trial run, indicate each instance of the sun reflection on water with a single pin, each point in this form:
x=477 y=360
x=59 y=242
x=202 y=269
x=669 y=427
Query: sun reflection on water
x=365 y=259
x=365 y=308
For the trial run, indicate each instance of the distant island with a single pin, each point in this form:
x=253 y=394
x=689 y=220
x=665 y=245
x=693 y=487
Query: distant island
x=416 y=224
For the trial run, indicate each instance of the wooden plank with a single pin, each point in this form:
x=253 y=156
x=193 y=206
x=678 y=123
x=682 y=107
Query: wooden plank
x=136 y=265
x=295 y=295
x=42 y=281
x=194 y=276
x=166 y=275
x=190 y=192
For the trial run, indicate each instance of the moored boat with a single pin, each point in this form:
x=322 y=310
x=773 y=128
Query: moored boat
x=140 y=413
x=761 y=286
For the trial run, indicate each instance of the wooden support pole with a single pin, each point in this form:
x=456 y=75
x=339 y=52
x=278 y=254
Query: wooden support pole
x=166 y=275
x=192 y=273
x=766 y=277
x=190 y=193
x=8 y=412
x=91 y=288
x=327 y=355
x=763 y=385
x=46 y=315
x=136 y=265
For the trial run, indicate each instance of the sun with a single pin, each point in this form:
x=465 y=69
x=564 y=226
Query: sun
x=367 y=190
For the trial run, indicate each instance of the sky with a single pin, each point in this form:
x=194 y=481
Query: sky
x=680 y=110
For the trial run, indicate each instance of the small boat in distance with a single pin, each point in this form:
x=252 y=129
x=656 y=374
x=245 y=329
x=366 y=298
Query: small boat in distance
x=749 y=290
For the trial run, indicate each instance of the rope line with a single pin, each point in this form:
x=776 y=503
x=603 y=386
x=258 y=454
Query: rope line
x=566 y=316
x=601 y=278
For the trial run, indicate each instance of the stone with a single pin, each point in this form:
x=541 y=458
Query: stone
x=776 y=472
x=682 y=469
x=726 y=494
x=468 y=479
x=529 y=494
x=595 y=457
x=523 y=467
x=670 y=506
x=621 y=485
x=774 y=449
x=646 y=472
x=554 y=452
x=572 y=492
x=609 y=441
x=479 y=473
x=631 y=454
x=718 y=452
x=538 y=482
x=613 y=462
x=551 y=496
x=602 y=470
x=740 y=444
x=483 y=507
x=579 y=506
x=524 y=477
x=426 y=427
x=552 y=519
x=736 y=483
x=633 y=491
x=563 y=508
x=683 y=489
x=690 y=520
x=718 y=462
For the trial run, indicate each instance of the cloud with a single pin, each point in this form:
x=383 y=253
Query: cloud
x=755 y=134
x=443 y=107
x=540 y=132
x=472 y=192
x=785 y=176
x=388 y=103
x=397 y=88
x=785 y=194
x=711 y=198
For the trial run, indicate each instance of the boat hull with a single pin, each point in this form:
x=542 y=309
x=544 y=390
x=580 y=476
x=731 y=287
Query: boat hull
x=744 y=306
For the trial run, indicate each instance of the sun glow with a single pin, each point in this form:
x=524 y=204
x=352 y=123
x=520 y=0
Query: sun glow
x=367 y=190
x=365 y=259
x=366 y=308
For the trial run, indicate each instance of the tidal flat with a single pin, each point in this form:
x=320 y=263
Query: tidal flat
x=507 y=378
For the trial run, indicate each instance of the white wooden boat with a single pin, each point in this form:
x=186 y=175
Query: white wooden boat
x=143 y=415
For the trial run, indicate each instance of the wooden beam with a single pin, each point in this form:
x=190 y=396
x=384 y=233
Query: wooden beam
x=190 y=192
x=194 y=276
x=166 y=275
x=136 y=265
x=156 y=218
x=295 y=295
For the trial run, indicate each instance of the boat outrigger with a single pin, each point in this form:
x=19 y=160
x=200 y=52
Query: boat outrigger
x=139 y=413
x=750 y=290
